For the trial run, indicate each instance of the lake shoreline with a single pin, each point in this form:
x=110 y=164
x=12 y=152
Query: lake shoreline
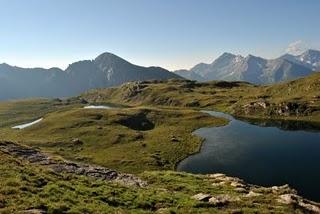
x=226 y=149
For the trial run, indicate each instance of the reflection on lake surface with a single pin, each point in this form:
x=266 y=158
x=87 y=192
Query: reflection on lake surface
x=261 y=155
x=285 y=124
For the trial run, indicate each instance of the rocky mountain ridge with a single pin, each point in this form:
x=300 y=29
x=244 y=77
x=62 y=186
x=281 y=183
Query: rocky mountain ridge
x=257 y=70
x=106 y=70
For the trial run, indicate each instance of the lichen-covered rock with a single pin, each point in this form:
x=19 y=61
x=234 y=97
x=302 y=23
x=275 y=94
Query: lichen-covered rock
x=262 y=107
x=252 y=194
x=237 y=184
x=201 y=197
x=282 y=189
x=59 y=166
x=287 y=199
x=241 y=190
x=296 y=200
x=221 y=200
x=132 y=89
x=216 y=175
x=77 y=142
x=33 y=211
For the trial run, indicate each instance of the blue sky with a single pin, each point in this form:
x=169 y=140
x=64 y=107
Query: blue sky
x=169 y=33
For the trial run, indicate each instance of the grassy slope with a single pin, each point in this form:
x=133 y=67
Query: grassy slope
x=109 y=141
x=16 y=112
x=173 y=93
x=227 y=97
x=168 y=107
x=26 y=187
x=305 y=90
x=114 y=138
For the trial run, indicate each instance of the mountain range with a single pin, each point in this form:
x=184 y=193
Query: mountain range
x=106 y=70
x=255 y=69
x=109 y=70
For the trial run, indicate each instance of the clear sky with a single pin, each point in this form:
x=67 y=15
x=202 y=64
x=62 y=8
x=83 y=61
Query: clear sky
x=172 y=34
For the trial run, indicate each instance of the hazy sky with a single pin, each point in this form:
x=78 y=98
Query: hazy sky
x=169 y=33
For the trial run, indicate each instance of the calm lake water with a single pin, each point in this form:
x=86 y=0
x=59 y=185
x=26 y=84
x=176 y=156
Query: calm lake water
x=260 y=155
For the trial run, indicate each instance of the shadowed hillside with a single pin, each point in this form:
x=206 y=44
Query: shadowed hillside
x=104 y=71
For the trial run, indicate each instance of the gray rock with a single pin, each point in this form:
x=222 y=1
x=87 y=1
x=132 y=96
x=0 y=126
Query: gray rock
x=294 y=199
x=241 y=190
x=221 y=200
x=252 y=194
x=34 y=211
x=237 y=184
x=216 y=175
x=59 y=166
x=77 y=142
x=201 y=197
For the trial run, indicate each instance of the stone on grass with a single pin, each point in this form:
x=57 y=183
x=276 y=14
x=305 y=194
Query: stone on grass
x=287 y=199
x=237 y=184
x=252 y=194
x=293 y=199
x=201 y=197
x=221 y=200
x=77 y=141
x=217 y=175
x=241 y=190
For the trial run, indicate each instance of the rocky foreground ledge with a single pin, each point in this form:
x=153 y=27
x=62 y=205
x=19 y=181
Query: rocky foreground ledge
x=231 y=191
x=36 y=157
x=286 y=195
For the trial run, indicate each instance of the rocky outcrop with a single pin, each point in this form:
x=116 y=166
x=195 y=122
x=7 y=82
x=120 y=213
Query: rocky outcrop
x=77 y=142
x=283 y=194
x=283 y=109
x=201 y=197
x=132 y=89
x=221 y=200
x=217 y=200
x=292 y=108
x=295 y=200
x=61 y=166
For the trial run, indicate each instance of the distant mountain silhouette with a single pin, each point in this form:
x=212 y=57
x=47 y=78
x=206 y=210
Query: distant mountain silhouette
x=105 y=71
x=189 y=75
x=255 y=69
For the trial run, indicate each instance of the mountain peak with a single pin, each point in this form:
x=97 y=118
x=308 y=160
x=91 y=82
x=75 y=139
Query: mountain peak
x=224 y=57
x=107 y=56
x=227 y=54
x=252 y=57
